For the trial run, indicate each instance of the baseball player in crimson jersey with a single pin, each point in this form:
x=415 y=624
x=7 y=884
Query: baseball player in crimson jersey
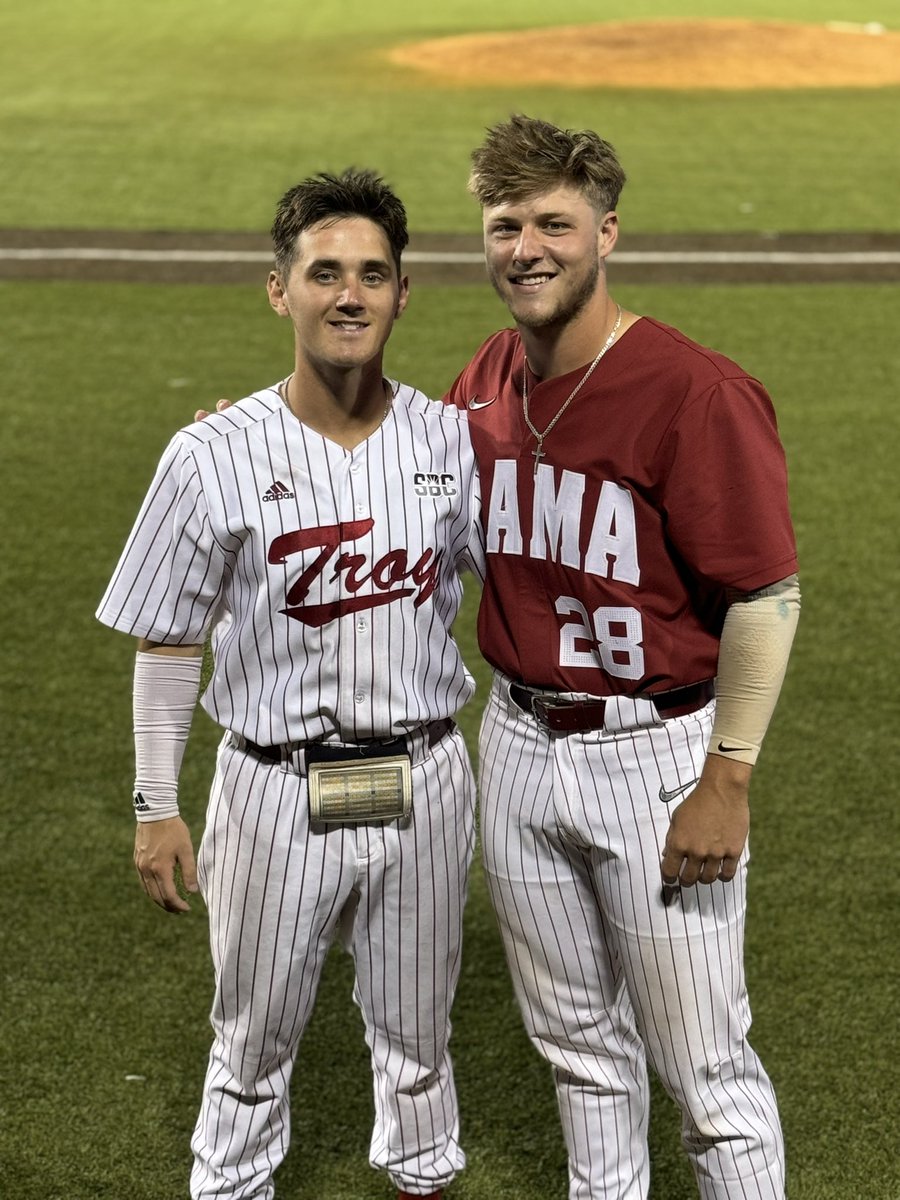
x=640 y=558
x=315 y=532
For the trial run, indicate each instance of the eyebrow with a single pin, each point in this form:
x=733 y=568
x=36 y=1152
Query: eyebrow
x=550 y=215
x=336 y=264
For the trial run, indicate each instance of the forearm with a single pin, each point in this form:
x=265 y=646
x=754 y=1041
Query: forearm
x=753 y=657
x=708 y=830
x=166 y=687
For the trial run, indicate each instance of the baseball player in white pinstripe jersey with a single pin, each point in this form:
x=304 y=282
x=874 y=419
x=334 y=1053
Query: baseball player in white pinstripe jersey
x=639 y=550
x=315 y=533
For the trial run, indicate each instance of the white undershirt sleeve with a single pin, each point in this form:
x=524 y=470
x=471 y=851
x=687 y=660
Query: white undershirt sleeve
x=166 y=688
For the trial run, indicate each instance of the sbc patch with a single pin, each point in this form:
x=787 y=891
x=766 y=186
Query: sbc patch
x=426 y=483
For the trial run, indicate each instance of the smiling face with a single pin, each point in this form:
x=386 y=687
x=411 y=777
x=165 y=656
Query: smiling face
x=544 y=255
x=342 y=294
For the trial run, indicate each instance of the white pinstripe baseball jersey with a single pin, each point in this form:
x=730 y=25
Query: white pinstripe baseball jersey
x=328 y=579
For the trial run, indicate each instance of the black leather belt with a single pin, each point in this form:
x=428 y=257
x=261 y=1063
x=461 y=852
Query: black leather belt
x=329 y=752
x=581 y=716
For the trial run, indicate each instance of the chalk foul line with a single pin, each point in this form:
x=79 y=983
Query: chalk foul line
x=460 y=257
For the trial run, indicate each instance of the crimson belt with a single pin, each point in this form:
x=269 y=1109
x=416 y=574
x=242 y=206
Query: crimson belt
x=581 y=716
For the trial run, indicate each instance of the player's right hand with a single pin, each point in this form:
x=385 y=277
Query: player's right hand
x=221 y=405
x=159 y=848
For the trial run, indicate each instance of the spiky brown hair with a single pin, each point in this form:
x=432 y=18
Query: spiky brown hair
x=524 y=157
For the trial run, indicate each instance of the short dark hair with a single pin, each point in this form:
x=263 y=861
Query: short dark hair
x=353 y=193
x=523 y=157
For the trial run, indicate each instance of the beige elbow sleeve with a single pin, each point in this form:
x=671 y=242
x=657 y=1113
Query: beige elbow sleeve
x=753 y=657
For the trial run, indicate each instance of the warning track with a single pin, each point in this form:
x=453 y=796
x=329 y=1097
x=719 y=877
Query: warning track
x=442 y=259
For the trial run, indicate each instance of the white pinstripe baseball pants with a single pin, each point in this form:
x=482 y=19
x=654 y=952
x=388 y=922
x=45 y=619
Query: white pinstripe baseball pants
x=278 y=891
x=605 y=974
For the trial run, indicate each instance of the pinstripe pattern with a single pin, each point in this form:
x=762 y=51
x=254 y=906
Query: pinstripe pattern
x=279 y=890
x=199 y=561
x=328 y=581
x=605 y=974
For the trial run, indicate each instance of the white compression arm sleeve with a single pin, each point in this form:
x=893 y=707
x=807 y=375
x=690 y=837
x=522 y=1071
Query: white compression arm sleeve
x=166 y=688
x=753 y=657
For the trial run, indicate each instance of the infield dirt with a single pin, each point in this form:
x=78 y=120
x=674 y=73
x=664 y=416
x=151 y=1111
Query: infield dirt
x=717 y=54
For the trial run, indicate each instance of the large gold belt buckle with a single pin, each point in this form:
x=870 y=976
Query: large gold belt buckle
x=376 y=789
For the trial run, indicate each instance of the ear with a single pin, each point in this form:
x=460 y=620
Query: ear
x=275 y=288
x=607 y=233
x=403 y=298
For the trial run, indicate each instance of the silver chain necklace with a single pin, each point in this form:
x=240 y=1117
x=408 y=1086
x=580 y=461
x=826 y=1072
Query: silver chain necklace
x=538 y=453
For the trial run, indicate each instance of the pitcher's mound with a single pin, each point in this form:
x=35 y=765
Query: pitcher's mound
x=667 y=54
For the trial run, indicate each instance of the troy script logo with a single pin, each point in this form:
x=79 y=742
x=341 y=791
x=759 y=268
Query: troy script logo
x=419 y=579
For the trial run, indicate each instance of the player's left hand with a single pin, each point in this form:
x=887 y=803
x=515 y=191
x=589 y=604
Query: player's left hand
x=708 y=830
x=162 y=849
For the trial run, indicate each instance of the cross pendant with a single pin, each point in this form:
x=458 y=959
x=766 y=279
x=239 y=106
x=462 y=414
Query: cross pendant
x=538 y=454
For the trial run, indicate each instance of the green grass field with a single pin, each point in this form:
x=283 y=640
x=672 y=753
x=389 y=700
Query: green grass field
x=163 y=114
x=196 y=116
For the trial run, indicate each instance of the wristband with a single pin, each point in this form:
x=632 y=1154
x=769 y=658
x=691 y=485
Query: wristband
x=166 y=687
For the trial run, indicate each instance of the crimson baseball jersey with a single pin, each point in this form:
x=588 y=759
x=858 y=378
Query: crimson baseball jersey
x=662 y=484
x=328 y=578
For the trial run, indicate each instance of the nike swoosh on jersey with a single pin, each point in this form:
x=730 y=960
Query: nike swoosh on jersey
x=666 y=796
x=474 y=402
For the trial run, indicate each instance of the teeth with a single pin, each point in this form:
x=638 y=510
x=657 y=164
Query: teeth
x=532 y=280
